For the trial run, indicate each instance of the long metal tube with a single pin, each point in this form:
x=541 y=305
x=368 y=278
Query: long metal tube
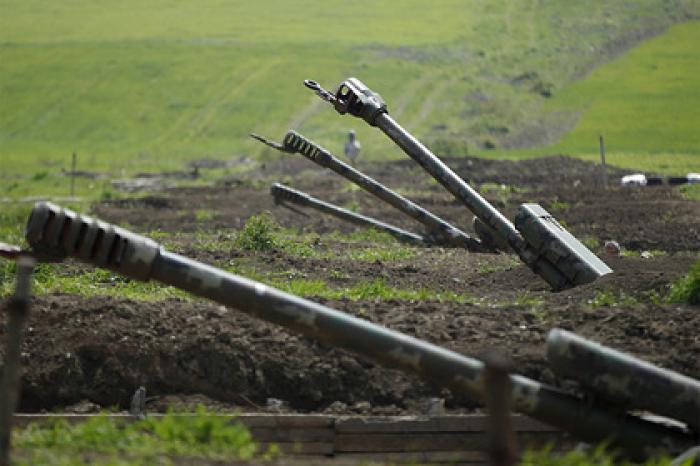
x=541 y=242
x=285 y=193
x=471 y=199
x=55 y=232
x=450 y=180
x=623 y=379
x=439 y=230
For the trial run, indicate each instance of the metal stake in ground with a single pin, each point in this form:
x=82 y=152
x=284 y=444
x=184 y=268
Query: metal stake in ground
x=18 y=312
x=502 y=445
x=72 y=174
x=601 y=143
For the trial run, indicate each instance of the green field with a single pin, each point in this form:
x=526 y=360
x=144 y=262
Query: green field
x=133 y=87
x=646 y=104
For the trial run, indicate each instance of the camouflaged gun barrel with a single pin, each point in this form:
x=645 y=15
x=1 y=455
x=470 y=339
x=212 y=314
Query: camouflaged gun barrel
x=54 y=232
x=439 y=231
x=624 y=380
x=540 y=241
x=284 y=193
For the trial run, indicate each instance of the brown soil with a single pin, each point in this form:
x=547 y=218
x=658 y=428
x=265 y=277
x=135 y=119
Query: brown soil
x=102 y=348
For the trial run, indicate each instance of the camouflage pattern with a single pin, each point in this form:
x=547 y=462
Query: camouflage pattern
x=438 y=230
x=572 y=267
x=283 y=193
x=623 y=379
x=635 y=436
x=546 y=236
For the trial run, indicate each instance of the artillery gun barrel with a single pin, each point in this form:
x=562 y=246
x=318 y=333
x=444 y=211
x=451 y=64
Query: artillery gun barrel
x=624 y=380
x=441 y=231
x=541 y=242
x=284 y=193
x=56 y=232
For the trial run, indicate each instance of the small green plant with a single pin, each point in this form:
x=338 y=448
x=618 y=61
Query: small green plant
x=382 y=254
x=38 y=176
x=258 y=234
x=598 y=456
x=559 y=205
x=687 y=289
x=203 y=215
x=106 y=195
x=527 y=299
x=608 y=298
x=691 y=191
x=591 y=242
x=103 y=440
x=503 y=192
x=353 y=206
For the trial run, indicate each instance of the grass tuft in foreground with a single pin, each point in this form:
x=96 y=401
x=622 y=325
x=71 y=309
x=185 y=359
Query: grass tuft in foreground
x=687 y=289
x=595 y=457
x=103 y=440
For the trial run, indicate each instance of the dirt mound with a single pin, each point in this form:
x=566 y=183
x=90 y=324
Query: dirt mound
x=102 y=348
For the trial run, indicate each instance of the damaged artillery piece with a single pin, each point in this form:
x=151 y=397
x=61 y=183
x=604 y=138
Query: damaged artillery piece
x=439 y=232
x=54 y=233
x=536 y=237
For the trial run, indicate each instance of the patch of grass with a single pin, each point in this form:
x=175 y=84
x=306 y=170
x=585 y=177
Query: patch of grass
x=608 y=298
x=382 y=254
x=527 y=299
x=102 y=440
x=558 y=205
x=204 y=215
x=52 y=278
x=645 y=254
x=368 y=236
x=645 y=103
x=598 y=456
x=133 y=87
x=591 y=242
x=366 y=290
x=691 y=191
x=687 y=289
x=258 y=234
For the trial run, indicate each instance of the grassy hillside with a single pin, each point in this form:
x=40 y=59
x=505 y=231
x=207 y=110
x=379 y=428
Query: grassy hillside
x=646 y=104
x=134 y=87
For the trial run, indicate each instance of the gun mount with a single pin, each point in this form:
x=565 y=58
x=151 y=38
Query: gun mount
x=56 y=232
x=625 y=381
x=538 y=239
x=439 y=231
x=283 y=193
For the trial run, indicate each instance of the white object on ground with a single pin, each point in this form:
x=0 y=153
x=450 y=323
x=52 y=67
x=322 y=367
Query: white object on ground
x=637 y=179
x=693 y=178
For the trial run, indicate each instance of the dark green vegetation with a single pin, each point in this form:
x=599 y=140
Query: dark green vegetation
x=687 y=289
x=594 y=457
x=151 y=441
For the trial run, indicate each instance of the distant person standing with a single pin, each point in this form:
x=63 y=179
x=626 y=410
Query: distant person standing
x=352 y=147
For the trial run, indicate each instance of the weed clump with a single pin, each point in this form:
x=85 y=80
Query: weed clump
x=687 y=289
x=103 y=440
x=258 y=234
